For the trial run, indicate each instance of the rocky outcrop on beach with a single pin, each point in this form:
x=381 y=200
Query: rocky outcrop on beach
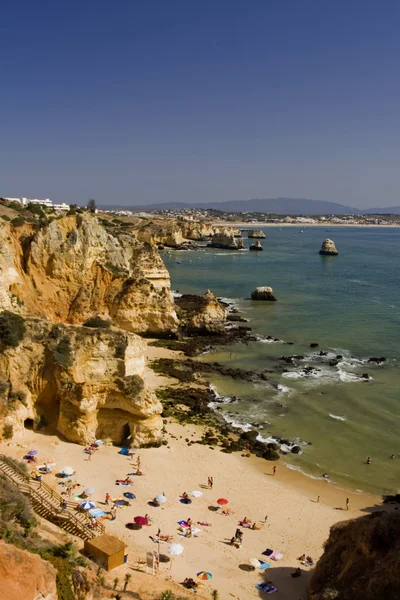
x=328 y=248
x=73 y=268
x=226 y=240
x=256 y=247
x=175 y=233
x=263 y=293
x=203 y=315
x=25 y=576
x=361 y=560
x=256 y=233
x=84 y=382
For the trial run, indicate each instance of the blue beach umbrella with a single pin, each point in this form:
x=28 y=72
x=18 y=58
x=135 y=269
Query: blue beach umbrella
x=88 y=505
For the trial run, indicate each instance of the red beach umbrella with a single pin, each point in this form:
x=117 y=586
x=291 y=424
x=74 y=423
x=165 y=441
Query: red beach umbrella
x=222 y=501
x=141 y=521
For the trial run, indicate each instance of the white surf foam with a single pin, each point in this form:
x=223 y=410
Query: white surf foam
x=338 y=417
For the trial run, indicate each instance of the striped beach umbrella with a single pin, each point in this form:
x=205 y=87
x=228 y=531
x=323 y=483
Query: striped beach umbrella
x=88 y=505
x=204 y=575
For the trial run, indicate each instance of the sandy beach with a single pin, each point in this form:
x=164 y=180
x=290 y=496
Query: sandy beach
x=296 y=523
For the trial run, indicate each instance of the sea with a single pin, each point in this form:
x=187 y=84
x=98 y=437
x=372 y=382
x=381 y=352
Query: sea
x=347 y=304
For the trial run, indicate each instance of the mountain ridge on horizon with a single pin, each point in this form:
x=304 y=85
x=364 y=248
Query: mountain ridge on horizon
x=285 y=206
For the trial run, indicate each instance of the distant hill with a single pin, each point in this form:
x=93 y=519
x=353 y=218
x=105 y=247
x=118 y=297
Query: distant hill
x=389 y=210
x=285 y=206
x=280 y=206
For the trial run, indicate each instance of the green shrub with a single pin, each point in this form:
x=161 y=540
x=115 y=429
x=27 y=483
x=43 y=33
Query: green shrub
x=18 y=396
x=8 y=431
x=12 y=329
x=5 y=218
x=16 y=206
x=131 y=385
x=36 y=209
x=62 y=353
x=167 y=595
x=18 y=221
x=97 y=322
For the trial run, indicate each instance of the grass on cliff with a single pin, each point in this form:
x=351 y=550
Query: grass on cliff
x=62 y=353
x=12 y=329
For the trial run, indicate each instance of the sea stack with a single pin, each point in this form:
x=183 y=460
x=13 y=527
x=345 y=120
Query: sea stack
x=256 y=233
x=257 y=246
x=263 y=293
x=328 y=248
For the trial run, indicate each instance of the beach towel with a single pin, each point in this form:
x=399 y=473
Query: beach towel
x=121 y=503
x=124 y=451
x=122 y=483
x=264 y=565
x=266 y=587
x=97 y=512
x=183 y=523
x=276 y=555
x=267 y=552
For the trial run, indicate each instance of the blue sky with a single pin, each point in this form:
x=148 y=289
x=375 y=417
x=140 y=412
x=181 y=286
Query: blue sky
x=133 y=102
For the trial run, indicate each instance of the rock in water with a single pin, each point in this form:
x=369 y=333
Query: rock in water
x=224 y=239
x=263 y=293
x=256 y=247
x=204 y=315
x=328 y=248
x=256 y=233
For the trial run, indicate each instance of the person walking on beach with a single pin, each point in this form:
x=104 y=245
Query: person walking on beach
x=347 y=503
x=108 y=498
x=210 y=483
x=318 y=499
x=274 y=470
x=265 y=518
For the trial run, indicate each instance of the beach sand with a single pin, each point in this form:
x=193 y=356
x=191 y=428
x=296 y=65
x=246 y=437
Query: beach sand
x=296 y=523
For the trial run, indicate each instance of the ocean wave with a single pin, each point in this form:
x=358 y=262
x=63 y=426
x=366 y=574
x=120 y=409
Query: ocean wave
x=176 y=294
x=338 y=417
x=299 y=470
x=268 y=339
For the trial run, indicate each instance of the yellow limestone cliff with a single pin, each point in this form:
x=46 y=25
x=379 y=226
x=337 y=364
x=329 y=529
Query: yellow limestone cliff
x=74 y=269
x=84 y=382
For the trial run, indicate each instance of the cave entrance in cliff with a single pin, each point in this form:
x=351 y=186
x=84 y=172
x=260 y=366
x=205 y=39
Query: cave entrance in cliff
x=28 y=424
x=126 y=434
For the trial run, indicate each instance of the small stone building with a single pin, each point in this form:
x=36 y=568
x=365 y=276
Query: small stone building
x=106 y=549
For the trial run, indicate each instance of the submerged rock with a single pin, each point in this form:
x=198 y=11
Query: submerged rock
x=328 y=248
x=263 y=293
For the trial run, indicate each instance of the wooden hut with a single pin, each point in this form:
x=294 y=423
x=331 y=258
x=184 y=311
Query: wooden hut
x=106 y=549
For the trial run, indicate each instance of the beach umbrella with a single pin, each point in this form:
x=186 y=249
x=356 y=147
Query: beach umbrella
x=99 y=442
x=161 y=498
x=204 y=575
x=32 y=452
x=222 y=501
x=68 y=471
x=88 y=505
x=175 y=549
x=90 y=491
x=141 y=521
x=196 y=494
x=129 y=495
x=254 y=562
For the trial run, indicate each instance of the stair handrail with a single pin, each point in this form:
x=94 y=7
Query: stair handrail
x=53 y=494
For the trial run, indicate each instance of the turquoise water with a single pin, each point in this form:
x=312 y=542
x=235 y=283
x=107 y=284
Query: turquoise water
x=350 y=306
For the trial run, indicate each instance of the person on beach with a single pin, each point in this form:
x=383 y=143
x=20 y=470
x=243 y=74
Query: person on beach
x=265 y=518
x=189 y=522
x=274 y=470
x=369 y=460
x=107 y=498
x=210 y=483
x=90 y=452
x=392 y=457
x=318 y=498
x=185 y=496
x=113 y=513
x=297 y=572
x=347 y=503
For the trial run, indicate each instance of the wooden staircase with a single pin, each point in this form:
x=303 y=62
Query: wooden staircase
x=47 y=503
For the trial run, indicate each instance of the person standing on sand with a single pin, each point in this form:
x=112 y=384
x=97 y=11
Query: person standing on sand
x=347 y=503
x=318 y=499
x=274 y=470
x=265 y=518
x=108 y=498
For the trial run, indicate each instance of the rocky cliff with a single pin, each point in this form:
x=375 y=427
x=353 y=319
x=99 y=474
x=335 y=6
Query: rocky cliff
x=25 y=576
x=226 y=239
x=175 y=232
x=361 y=560
x=86 y=383
x=73 y=269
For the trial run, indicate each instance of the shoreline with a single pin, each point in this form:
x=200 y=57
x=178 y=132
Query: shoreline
x=263 y=224
x=292 y=476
